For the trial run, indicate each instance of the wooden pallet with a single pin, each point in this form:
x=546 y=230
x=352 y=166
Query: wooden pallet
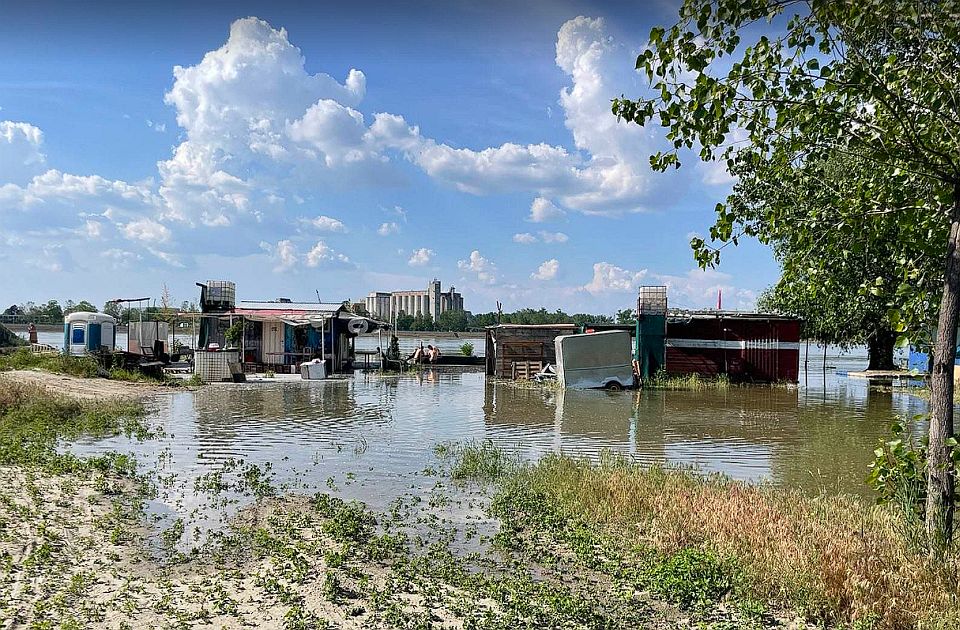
x=526 y=369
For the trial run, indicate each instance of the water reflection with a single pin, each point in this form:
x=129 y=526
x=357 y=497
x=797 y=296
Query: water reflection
x=372 y=437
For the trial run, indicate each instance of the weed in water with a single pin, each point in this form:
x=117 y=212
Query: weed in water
x=478 y=461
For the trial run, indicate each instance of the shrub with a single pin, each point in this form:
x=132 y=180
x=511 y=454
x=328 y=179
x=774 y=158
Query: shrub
x=466 y=349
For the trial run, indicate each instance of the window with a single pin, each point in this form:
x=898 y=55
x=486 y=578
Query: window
x=77 y=337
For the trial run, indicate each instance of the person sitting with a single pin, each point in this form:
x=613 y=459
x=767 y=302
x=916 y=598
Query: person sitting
x=435 y=355
x=418 y=355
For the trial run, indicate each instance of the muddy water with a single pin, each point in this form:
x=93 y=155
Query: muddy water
x=373 y=437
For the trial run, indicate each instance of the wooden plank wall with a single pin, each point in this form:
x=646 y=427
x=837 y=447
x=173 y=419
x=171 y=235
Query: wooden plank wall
x=520 y=345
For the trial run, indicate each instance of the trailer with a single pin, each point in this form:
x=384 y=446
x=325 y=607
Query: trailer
x=601 y=360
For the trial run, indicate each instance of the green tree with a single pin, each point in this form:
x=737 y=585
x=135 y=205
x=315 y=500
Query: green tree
x=626 y=316
x=453 y=321
x=404 y=321
x=422 y=322
x=876 y=80
x=843 y=282
x=112 y=309
x=80 y=307
x=51 y=310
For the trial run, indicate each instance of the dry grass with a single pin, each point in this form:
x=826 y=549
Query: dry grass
x=834 y=558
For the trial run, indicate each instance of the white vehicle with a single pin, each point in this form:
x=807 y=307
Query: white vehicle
x=595 y=360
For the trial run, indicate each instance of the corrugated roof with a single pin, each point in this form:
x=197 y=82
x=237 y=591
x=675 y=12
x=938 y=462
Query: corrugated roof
x=715 y=314
x=301 y=307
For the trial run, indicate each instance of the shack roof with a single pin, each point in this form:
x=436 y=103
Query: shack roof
x=293 y=313
x=715 y=314
x=301 y=307
x=500 y=326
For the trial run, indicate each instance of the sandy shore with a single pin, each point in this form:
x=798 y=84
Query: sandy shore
x=85 y=388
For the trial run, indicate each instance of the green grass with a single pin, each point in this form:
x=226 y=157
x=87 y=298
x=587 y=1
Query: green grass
x=24 y=359
x=80 y=366
x=33 y=421
x=480 y=461
x=688 y=382
x=698 y=540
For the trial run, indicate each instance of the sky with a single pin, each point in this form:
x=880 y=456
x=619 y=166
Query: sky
x=336 y=150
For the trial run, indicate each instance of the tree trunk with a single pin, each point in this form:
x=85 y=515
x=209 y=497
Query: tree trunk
x=940 y=481
x=880 y=348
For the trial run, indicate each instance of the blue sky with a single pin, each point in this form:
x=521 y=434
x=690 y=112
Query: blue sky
x=342 y=150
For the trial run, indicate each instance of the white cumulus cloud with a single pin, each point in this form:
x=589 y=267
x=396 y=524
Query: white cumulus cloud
x=254 y=119
x=328 y=224
x=484 y=269
x=543 y=210
x=525 y=238
x=286 y=255
x=21 y=156
x=386 y=229
x=147 y=231
x=421 y=257
x=554 y=237
x=322 y=255
x=547 y=270
x=609 y=278
x=610 y=177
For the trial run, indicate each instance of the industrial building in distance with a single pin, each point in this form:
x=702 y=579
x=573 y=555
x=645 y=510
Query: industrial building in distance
x=386 y=305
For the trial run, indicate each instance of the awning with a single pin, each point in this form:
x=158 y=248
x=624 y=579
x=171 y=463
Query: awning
x=287 y=316
x=300 y=317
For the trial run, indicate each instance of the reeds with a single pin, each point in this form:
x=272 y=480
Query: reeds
x=687 y=382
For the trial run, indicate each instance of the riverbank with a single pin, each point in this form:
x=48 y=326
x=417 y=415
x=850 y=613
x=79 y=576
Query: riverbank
x=84 y=388
x=483 y=542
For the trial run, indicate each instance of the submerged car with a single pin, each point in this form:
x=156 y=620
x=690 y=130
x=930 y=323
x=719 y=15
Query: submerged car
x=595 y=360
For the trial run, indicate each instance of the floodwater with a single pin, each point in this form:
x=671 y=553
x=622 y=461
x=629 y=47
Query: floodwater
x=372 y=437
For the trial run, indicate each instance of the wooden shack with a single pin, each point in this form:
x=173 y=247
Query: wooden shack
x=521 y=350
x=753 y=347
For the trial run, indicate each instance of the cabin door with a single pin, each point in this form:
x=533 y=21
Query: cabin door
x=78 y=338
x=106 y=335
x=272 y=351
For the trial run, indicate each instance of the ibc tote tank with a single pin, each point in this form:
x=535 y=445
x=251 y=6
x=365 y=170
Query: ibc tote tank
x=88 y=332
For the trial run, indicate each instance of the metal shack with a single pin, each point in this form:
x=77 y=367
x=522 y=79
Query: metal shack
x=521 y=350
x=279 y=335
x=744 y=346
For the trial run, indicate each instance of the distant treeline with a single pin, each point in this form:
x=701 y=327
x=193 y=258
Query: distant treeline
x=460 y=321
x=52 y=312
